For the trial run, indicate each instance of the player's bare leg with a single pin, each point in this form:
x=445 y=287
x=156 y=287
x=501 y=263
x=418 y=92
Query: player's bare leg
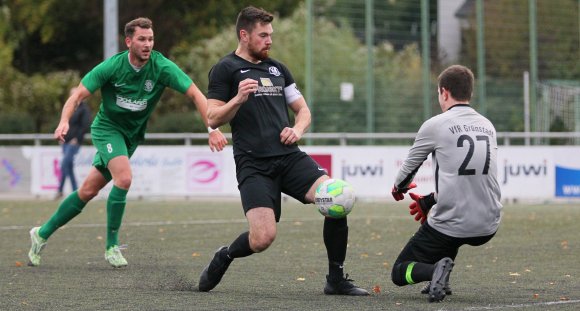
x=262 y=233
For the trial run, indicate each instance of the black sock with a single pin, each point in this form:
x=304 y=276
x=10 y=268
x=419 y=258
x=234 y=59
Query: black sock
x=241 y=246
x=422 y=272
x=335 y=234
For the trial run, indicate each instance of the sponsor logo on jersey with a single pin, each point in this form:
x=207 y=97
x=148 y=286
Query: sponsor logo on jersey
x=274 y=71
x=244 y=71
x=268 y=88
x=148 y=86
x=131 y=104
x=266 y=82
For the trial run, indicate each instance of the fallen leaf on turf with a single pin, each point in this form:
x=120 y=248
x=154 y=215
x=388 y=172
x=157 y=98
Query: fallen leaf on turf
x=99 y=238
x=301 y=279
x=536 y=295
x=528 y=270
x=195 y=255
x=18 y=264
x=564 y=244
x=398 y=303
x=564 y=298
x=376 y=289
x=514 y=274
x=385 y=264
x=298 y=223
x=161 y=230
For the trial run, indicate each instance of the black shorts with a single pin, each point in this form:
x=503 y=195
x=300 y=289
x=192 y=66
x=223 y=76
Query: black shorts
x=262 y=181
x=429 y=245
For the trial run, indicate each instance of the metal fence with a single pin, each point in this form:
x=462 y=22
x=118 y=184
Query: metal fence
x=371 y=66
x=341 y=139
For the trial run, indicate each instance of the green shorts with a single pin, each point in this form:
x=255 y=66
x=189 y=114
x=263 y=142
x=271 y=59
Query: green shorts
x=110 y=144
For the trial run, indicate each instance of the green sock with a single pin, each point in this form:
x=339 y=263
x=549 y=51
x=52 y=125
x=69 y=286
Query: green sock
x=115 y=209
x=67 y=210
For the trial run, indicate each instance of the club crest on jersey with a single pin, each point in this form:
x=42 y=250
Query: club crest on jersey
x=148 y=86
x=266 y=82
x=274 y=71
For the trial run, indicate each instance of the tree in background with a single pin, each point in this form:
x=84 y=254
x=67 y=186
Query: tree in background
x=335 y=61
x=507 y=39
x=46 y=46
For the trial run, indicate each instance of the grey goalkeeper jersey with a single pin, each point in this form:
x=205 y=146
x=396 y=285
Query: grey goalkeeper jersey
x=463 y=148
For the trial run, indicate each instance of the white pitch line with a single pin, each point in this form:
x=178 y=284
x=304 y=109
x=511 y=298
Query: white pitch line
x=524 y=305
x=194 y=222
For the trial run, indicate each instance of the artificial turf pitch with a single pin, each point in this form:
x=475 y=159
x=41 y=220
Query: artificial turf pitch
x=531 y=264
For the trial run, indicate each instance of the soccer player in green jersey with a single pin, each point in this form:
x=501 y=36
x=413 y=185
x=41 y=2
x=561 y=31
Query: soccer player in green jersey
x=131 y=84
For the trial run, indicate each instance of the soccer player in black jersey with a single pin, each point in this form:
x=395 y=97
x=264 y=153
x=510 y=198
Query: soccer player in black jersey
x=253 y=93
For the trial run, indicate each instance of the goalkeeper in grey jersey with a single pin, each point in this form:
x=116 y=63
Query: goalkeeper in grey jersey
x=465 y=207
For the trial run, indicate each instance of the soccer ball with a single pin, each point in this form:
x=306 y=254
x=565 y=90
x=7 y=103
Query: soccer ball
x=334 y=198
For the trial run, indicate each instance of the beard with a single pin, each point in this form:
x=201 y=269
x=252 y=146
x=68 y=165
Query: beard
x=259 y=54
x=140 y=56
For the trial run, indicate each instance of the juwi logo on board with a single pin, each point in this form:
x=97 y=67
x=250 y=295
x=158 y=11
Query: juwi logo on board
x=516 y=170
x=362 y=170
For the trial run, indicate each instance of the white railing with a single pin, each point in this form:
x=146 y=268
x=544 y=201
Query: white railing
x=505 y=138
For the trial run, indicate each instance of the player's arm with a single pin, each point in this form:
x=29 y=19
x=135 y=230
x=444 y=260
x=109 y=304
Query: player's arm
x=220 y=112
x=302 y=120
x=71 y=104
x=424 y=144
x=217 y=140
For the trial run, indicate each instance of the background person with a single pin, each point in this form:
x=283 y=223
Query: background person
x=79 y=125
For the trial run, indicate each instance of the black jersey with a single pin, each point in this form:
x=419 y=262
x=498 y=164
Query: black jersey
x=258 y=123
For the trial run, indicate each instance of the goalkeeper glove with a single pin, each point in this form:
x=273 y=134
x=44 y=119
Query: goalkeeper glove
x=398 y=193
x=421 y=205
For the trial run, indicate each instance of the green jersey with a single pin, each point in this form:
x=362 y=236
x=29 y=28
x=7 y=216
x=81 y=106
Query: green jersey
x=129 y=96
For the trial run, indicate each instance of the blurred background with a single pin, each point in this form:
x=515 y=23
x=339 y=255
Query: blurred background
x=364 y=66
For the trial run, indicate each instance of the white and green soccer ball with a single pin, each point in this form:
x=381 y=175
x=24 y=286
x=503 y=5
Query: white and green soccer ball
x=334 y=198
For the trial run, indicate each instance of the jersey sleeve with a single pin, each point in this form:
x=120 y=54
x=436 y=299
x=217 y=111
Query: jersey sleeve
x=174 y=78
x=424 y=144
x=291 y=91
x=289 y=79
x=98 y=76
x=220 y=83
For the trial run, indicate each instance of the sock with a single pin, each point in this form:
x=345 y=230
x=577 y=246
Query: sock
x=241 y=246
x=335 y=234
x=418 y=272
x=67 y=210
x=115 y=209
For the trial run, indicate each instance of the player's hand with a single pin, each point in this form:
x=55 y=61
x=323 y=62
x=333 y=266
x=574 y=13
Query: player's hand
x=217 y=140
x=398 y=193
x=245 y=88
x=421 y=205
x=61 y=131
x=289 y=136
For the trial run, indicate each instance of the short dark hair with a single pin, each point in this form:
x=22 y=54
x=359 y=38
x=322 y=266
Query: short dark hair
x=141 y=22
x=249 y=16
x=458 y=80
